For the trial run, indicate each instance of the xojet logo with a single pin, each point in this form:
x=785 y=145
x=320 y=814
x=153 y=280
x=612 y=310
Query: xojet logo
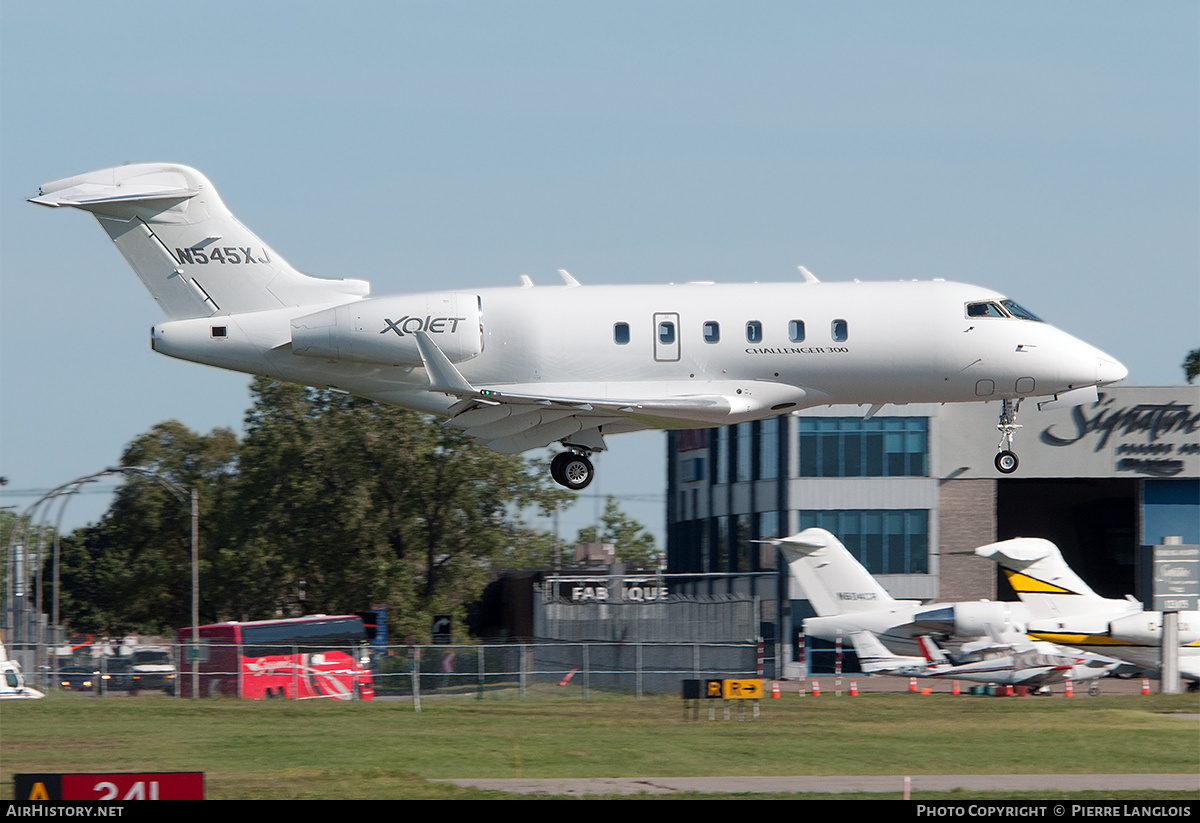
x=410 y=325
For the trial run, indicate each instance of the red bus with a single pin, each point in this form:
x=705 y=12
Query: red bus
x=304 y=657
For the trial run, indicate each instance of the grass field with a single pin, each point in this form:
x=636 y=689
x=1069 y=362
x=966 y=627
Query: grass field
x=383 y=749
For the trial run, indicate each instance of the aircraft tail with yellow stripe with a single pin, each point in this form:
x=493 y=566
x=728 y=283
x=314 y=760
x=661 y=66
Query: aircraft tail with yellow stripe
x=1042 y=579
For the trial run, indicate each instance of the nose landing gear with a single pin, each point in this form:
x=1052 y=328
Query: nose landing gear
x=1006 y=461
x=572 y=470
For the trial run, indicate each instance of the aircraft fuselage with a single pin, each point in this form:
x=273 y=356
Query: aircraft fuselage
x=867 y=343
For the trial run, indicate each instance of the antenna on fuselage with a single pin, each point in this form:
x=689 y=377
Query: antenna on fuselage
x=526 y=281
x=567 y=278
x=808 y=276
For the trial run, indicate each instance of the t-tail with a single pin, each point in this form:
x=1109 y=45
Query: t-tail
x=189 y=250
x=833 y=580
x=1042 y=579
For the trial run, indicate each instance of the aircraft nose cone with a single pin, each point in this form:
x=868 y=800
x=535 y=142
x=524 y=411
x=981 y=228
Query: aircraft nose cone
x=1109 y=371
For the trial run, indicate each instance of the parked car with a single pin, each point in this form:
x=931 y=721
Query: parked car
x=78 y=678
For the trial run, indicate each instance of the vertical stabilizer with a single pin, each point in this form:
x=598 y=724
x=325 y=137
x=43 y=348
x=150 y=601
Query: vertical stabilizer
x=1042 y=579
x=834 y=581
x=191 y=253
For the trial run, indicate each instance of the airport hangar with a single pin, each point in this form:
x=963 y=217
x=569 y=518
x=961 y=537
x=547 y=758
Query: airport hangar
x=913 y=490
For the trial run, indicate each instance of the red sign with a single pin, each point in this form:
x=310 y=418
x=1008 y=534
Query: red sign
x=116 y=788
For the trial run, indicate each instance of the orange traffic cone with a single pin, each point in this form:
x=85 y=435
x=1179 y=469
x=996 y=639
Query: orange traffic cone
x=912 y=685
x=1145 y=685
x=853 y=687
x=954 y=687
x=775 y=689
x=816 y=689
x=1068 y=688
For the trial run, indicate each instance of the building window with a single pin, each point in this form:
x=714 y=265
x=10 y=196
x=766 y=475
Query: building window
x=885 y=541
x=722 y=458
x=768 y=527
x=712 y=331
x=621 y=333
x=768 y=449
x=754 y=332
x=744 y=445
x=854 y=447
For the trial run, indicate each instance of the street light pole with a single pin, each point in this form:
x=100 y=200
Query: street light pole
x=179 y=494
x=195 y=592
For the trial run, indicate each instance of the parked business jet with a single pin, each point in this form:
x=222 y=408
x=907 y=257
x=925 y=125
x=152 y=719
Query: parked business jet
x=847 y=599
x=524 y=367
x=1064 y=609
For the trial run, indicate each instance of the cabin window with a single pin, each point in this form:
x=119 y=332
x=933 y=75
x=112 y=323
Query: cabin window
x=220 y=331
x=712 y=331
x=796 y=331
x=666 y=333
x=754 y=331
x=841 y=331
x=621 y=333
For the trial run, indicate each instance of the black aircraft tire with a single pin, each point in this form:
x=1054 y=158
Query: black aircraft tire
x=574 y=472
x=1007 y=462
x=556 y=467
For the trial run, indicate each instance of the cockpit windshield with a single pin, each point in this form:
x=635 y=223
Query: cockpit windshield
x=1000 y=308
x=1017 y=311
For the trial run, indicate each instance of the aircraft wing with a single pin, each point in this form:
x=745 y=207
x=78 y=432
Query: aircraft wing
x=515 y=417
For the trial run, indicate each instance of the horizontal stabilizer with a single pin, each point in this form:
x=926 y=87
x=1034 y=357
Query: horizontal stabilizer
x=86 y=194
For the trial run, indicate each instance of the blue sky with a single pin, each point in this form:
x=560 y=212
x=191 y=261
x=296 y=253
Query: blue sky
x=1049 y=151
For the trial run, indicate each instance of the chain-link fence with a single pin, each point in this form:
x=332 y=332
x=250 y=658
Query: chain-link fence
x=411 y=673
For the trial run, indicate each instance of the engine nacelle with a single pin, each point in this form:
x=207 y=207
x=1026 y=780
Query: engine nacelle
x=1146 y=628
x=972 y=618
x=382 y=330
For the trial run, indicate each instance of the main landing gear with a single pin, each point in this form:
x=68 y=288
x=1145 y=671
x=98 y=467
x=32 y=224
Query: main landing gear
x=1006 y=460
x=572 y=469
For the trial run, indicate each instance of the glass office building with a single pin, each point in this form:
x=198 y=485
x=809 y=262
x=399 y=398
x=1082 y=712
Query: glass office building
x=912 y=490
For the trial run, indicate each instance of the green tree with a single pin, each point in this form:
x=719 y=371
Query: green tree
x=634 y=545
x=132 y=570
x=351 y=503
x=1191 y=365
x=329 y=504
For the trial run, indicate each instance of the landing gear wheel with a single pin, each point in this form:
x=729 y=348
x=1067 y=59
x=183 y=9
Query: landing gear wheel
x=1006 y=462
x=556 y=468
x=572 y=470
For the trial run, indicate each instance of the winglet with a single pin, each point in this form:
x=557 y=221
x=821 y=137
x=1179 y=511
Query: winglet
x=443 y=377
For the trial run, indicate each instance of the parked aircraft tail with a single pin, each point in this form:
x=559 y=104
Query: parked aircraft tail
x=1041 y=578
x=834 y=581
x=876 y=658
x=188 y=249
x=933 y=653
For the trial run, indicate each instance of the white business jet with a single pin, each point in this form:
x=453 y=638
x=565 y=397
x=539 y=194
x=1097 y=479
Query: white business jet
x=849 y=600
x=1064 y=609
x=524 y=367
